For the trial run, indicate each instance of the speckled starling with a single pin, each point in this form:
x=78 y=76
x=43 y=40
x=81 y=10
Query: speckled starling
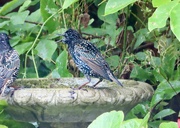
x=87 y=58
x=9 y=63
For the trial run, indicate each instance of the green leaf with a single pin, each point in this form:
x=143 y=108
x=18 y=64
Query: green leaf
x=111 y=19
x=168 y=125
x=171 y=62
x=113 y=61
x=144 y=122
x=140 y=56
x=55 y=73
x=111 y=119
x=3 y=104
x=46 y=48
x=163 y=113
x=68 y=3
x=23 y=47
x=159 y=17
x=165 y=92
x=141 y=37
x=35 y=17
x=175 y=21
x=157 y=3
x=46 y=6
x=113 y=6
x=132 y=123
x=2 y=24
x=8 y=7
x=140 y=73
x=61 y=63
x=157 y=75
x=25 y=5
x=19 y=18
x=16 y=124
x=3 y=126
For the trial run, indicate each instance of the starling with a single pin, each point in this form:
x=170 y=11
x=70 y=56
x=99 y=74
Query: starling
x=9 y=63
x=87 y=58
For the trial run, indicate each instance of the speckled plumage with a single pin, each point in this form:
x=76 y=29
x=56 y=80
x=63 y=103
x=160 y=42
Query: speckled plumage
x=87 y=58
x=9 y=63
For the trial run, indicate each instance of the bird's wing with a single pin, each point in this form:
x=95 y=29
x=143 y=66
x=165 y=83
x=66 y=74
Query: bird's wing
x=9 y=66
x=91 y=56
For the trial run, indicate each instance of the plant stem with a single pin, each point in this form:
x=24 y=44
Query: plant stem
x=60 y=10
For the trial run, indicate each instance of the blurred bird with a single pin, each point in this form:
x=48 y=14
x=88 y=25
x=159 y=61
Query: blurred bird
x=9 y=63
x=87 y=58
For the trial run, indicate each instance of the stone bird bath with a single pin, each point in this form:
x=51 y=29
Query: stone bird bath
x=53 y=104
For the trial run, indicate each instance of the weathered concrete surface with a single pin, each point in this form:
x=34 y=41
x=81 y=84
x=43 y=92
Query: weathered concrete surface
x=52 y=100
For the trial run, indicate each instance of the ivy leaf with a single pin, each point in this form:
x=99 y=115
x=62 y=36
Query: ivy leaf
x=22 y=48
x=68 y=3
x=111 y=119
x=157 y=3
x=168 y=125
x=46 y=6
x=175 y=21
x=113 y=6
x=61 y=63
x=46 y=48
x=159 y=17
x=19 y=18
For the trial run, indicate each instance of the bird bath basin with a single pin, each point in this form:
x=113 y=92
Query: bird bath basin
x=52 y=103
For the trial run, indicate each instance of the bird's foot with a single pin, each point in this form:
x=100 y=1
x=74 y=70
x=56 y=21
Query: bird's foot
x=79 y=88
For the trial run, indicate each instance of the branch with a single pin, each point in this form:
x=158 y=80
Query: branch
x=93 y=36
x=8 y=18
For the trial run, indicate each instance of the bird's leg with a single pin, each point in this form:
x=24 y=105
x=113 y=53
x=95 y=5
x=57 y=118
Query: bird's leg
x=80 y=87
x=97 y=82
x=89 y=80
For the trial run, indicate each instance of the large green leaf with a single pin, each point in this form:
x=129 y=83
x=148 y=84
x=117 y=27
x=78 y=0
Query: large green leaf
x=132 y=123
x=111 y=119
x=159 y=17
x=111 y=19
x=113 y=6
x=3 y=126
x=168 y=125
x=46 y=48
x=61 y=63
x=144 y=122
x=165 y=92
x=157 y=3
x=175 y=21
x=8 y=7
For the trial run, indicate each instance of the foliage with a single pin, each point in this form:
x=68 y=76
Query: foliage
x=142 y=36
x=6 y=121
x=115 y=119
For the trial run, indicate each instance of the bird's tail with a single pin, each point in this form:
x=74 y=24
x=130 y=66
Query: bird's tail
x=114 y=79
x=117 y=81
